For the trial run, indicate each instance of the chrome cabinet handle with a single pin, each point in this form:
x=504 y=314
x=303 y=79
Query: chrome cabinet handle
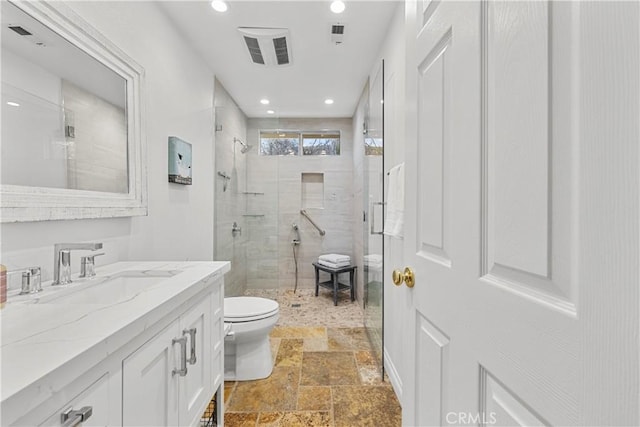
x=71 y=418
x=183 y=356
x=192 y=337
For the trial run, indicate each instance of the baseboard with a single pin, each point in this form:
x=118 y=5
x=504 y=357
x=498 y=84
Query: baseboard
x=394 y=377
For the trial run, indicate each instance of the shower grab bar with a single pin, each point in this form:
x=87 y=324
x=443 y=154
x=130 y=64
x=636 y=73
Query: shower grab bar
x=306 y=215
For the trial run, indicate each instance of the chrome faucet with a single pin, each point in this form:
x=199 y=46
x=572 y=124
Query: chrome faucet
x=58 y=248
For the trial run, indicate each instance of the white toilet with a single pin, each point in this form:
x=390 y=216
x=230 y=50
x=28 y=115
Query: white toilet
x=247 y=351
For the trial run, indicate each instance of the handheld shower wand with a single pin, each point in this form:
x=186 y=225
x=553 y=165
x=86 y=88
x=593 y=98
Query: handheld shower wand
x=294 y=245
x=296 y=239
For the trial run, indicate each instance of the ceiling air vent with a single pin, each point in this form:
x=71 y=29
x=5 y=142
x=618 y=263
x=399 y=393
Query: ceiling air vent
x=282 y=54
x=20 y=30
x=267 y=46
x=28 y=35
x=254 y=49
x=337 y=33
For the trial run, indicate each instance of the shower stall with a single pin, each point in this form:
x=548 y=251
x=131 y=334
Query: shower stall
x=259 y=197
x=277 y=208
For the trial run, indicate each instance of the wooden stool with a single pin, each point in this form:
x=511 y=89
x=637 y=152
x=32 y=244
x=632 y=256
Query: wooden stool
x=333 y=284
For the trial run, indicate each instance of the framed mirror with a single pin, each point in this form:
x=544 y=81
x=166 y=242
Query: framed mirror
x=72 y=134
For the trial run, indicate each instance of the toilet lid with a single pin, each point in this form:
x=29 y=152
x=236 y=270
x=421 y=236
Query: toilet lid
x=243 y=309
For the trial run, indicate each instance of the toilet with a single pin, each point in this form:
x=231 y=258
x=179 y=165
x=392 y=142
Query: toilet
x=247 y=351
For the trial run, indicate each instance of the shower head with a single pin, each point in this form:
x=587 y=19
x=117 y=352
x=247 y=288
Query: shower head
x=245 y=147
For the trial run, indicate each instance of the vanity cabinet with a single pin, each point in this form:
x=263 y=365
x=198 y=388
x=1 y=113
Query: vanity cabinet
x=156 y=391
x=134 y=373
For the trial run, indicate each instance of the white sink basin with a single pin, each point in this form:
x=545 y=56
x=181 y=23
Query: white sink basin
x=112 y=289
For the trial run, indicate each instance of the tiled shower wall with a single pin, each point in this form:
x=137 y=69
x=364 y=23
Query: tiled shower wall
x=230 y=123
x=274 y=199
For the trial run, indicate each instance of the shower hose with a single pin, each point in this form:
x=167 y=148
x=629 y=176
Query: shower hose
x=295 y=261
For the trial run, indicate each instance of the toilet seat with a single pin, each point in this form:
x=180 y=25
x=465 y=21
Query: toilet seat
x=247 y=309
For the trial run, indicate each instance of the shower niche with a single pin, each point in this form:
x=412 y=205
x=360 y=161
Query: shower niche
x=312 y=190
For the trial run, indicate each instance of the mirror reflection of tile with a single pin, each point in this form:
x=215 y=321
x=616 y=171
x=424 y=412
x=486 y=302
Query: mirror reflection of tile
x=179 y=161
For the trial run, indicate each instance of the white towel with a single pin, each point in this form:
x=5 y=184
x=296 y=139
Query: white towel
x=373 y=259
x=335 y=258
x=394 y=222
x=373 y=262
x=333 y=265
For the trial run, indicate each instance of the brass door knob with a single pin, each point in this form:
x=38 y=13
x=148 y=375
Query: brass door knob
x=407 y=277
x=397 y=277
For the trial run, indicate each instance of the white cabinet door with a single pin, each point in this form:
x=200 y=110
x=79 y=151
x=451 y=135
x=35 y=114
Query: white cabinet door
x=196 y=388
x=522 y=212
x=149 y=388
x=153 y=394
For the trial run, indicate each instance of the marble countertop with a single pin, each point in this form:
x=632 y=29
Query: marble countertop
x=38 y=339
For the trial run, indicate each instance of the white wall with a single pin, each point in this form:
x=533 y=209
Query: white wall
x=178 y=101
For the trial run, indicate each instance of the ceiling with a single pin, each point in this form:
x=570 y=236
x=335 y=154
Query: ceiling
x=319 y=68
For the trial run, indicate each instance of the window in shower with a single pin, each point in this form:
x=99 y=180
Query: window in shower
x=279 y=143
x=299 y=143
x=321 y=143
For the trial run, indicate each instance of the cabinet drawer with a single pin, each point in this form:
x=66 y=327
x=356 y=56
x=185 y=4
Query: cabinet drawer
x=96 y=396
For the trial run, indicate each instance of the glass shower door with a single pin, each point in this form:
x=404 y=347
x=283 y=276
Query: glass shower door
x=373 y=197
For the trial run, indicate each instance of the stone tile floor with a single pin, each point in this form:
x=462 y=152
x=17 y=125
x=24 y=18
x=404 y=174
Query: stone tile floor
x=324 y=374
x=303 y=308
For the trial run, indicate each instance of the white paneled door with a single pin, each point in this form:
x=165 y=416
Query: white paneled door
x=522 y=225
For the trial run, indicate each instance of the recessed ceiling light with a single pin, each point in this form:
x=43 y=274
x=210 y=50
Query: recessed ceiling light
x=13 y=104
x=337 y=6
x=328 y=101
x=264 y=101
x=270 y=112
x=219 y=5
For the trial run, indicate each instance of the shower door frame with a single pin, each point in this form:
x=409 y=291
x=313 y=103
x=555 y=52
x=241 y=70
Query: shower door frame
x=369 y=225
